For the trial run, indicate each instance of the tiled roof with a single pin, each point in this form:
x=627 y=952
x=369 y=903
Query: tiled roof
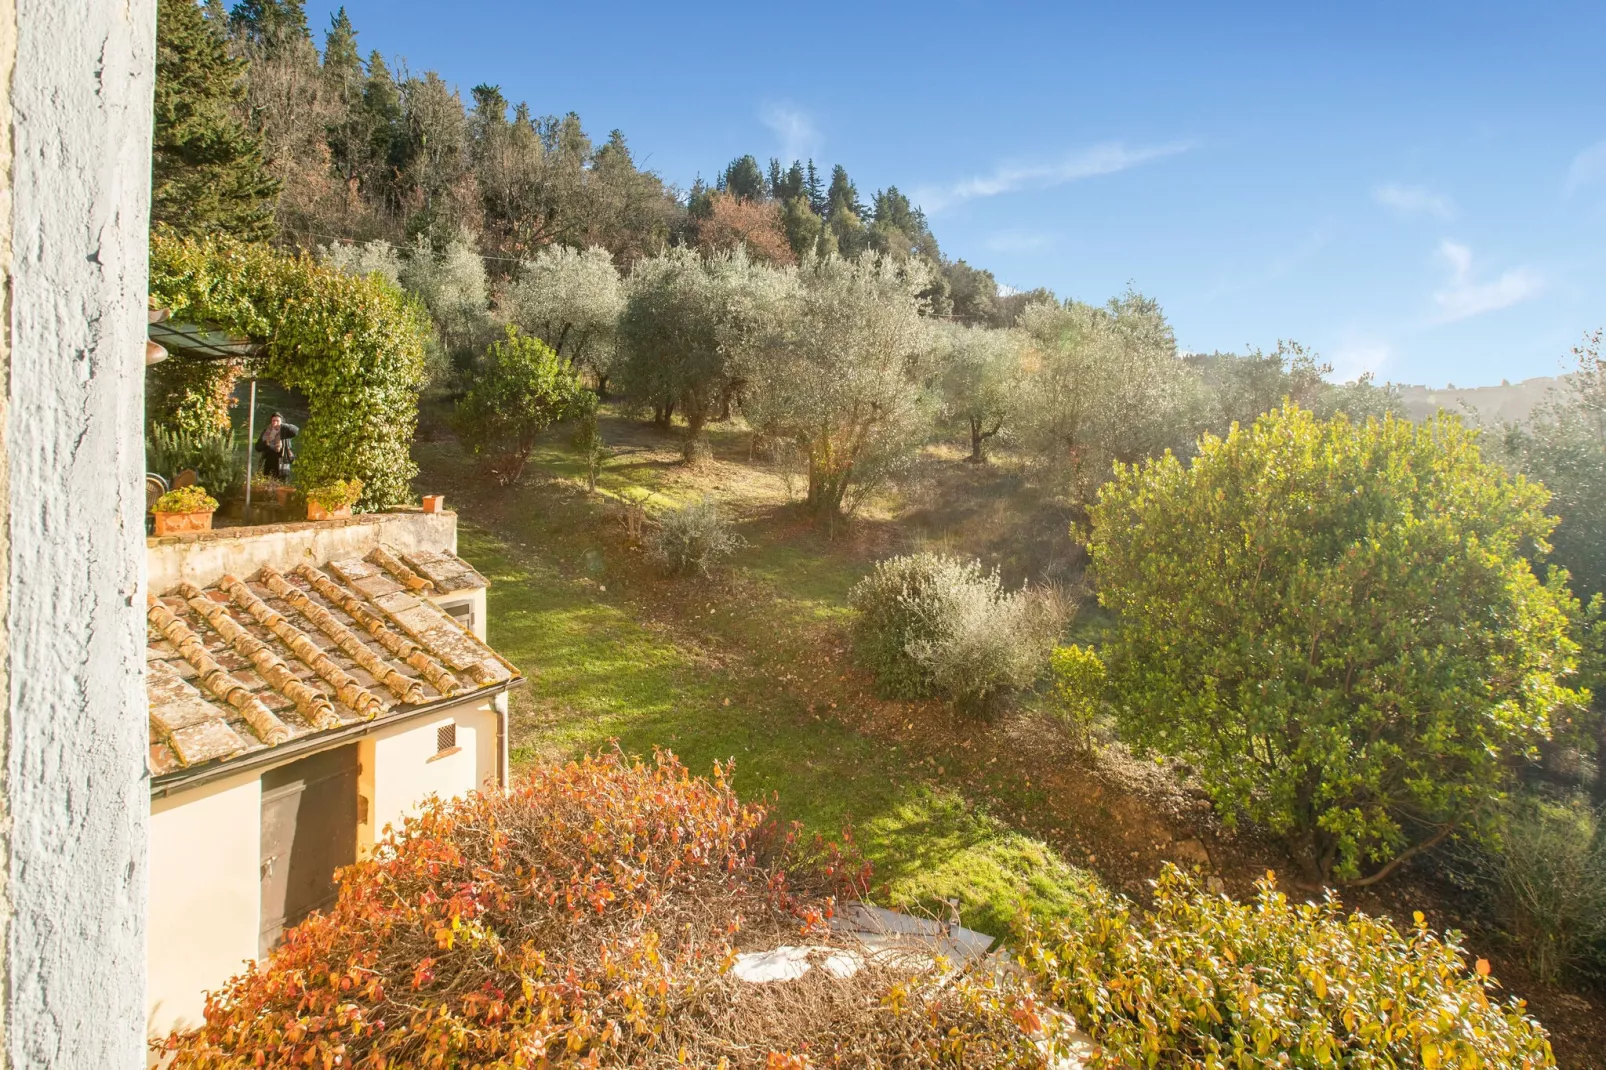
x=252 y=663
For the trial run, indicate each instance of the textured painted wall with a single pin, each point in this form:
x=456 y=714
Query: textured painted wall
x=76 y=736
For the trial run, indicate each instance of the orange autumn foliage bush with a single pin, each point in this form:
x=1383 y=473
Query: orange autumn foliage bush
x=755 y=224
x=590 y=917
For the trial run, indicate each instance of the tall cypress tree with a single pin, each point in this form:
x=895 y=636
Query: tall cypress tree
x=206 y=168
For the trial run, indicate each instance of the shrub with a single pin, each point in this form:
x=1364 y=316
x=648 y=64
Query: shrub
x=212 y=454
x=693 y=538
x=590 y=917
x=898 y=603
x=930 y=623
x=1543 y=886
x=1204 y=981
x=1337 y=625
x=587 y=438
x=337 y=494
x=185 y=500
x=1079 y=681
x=520 y=390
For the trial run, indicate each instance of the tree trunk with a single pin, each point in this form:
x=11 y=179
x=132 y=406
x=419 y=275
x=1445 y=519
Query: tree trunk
x=692 y=446
x=976 y=454
x=663 y=414
x=602 y=387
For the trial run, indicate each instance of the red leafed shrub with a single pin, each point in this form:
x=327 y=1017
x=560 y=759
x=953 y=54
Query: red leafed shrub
x=590 y=917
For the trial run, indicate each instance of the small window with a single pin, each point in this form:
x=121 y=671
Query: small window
x=462 y=613
x=446 y=737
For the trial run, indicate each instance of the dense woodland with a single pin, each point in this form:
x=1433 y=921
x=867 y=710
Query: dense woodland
x=1379 y=640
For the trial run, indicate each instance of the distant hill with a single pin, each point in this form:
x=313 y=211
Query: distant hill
x=1491 y=404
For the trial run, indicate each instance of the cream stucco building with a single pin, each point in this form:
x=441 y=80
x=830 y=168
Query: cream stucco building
x=309 y=685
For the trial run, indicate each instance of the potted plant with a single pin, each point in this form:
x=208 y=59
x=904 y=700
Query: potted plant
x=434 y=503
x=184 y=509
x=266 y=490
x=333 y=500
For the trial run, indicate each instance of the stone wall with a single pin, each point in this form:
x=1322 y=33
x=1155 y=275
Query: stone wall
x=201 y=557
x=78 y=125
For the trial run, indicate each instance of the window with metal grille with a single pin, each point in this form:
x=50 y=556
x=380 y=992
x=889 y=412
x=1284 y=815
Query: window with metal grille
x=446 y=737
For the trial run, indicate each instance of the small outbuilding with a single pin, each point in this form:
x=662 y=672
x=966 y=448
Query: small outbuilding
x=309 y=684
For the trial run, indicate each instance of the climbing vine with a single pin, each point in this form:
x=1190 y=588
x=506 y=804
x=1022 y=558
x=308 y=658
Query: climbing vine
x=353 y=345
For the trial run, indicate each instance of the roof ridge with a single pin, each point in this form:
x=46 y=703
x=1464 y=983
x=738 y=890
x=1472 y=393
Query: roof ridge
x=268 y=728
x=388 y=561
x=413 y=653
x=357 y=697
x=312 y=705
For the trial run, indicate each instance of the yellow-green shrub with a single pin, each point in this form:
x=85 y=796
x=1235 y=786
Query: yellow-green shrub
x=1205 y=981
x=1078 y=679
x=185 y=500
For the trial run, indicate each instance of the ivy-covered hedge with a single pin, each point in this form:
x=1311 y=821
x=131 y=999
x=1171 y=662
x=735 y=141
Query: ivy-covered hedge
x=354 y=346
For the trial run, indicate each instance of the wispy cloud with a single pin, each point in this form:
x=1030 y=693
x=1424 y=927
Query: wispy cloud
x=795 y=128
x=1587 y=168
x=1104 y=159
x=1465 y=298
x=1414 y=201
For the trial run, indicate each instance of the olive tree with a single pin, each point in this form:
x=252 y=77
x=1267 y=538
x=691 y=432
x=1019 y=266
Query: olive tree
x=571 y=299
x=978 y=373
x=1337 y=625
x=841 y=378
x=452 y=285
x=692 y=330
x=521 y=389
x=1105 y=385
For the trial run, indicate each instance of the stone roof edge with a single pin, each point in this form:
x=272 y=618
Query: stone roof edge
x=194 y=776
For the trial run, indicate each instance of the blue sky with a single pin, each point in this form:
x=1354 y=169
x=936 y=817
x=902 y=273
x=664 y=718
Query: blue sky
x=1413 y=189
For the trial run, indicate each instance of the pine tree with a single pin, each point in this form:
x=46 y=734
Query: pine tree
x=207 y=169
x=816 y=191
x=843 y=195
x=342 y=64
x=217 y=17
x=271 y=26
x=775 y=179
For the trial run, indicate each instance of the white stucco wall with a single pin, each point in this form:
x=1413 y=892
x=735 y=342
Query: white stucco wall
x=406 y=770
x=80 y=128
x=205 y=896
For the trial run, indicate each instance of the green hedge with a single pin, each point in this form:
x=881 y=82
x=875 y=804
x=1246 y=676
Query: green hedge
x=353 y=346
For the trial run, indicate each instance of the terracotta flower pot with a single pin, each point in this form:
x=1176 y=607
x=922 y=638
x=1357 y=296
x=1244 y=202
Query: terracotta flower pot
x=178 y=523
x=281 y=495
x=434 y=503
x=318 y=512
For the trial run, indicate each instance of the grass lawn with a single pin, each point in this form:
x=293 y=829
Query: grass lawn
x=600 y=674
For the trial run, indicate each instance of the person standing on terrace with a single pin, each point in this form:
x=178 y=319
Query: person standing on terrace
x=274 y=445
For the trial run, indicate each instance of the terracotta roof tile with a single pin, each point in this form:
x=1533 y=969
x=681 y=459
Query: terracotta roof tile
x=245 y=665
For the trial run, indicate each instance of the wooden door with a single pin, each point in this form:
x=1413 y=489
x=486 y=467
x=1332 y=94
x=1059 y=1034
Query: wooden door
x=309 y=829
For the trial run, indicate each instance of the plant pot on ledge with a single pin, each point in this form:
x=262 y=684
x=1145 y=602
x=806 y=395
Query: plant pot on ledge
x=179 y=523
x=434 y=503
x=318 y=512
x=333 y=500
x=182 y=510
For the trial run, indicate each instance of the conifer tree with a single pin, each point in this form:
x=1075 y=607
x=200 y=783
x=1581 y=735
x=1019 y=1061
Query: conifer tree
x=207 y=169
x=271 y=26
x=816 y=191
